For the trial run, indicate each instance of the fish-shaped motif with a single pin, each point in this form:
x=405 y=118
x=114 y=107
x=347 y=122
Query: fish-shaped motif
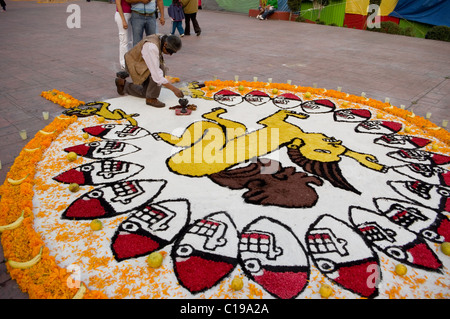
x=114 y=199
x=99 y=172
x=430 y=174
x=287 y=101
x=116 y=131
x=402 y=141
x=433 y=196
x=420 y=157
x=103 y=149
x=378 y=127
x=423 y=221
x=273 y=257
x=342 y=255
x=318 y=106
x=257 y=97
x=228 y=97
x=352 y=115
x=206 y=252
x=394 y=240
x=149 y=228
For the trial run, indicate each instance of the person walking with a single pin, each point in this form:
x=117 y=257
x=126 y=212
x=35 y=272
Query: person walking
x=175 y=11
x=190 y=8
x=145 y=64
x=122 y=18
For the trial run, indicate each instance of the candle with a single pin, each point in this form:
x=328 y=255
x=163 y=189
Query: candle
x=236 y=78
x=215 y=77
x=444 y=123
x=402 y=106
x=387 y=100
x=289 y=82
x=314 y=85
x=363 y=94
x=45 y=115
x=255 y=79
x=339 y=88
x=428 y=115
x=269 y=80
x=0 y=164
x=23 y=134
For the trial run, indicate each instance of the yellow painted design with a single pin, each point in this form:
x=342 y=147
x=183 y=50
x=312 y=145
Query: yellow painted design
x=216 y=144
x=92 y=109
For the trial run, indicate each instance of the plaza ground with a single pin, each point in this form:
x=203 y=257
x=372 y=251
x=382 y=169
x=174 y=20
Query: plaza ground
x=39 y=52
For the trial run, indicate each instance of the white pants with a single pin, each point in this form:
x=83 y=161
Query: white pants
x=125 y=37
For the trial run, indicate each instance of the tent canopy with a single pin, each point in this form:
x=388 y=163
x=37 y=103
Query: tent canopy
x=434 y=12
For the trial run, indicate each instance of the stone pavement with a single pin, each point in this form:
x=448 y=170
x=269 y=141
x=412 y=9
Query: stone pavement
x=39 y=52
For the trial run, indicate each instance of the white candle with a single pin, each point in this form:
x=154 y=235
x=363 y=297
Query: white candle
x=402 y=106
x=289 y=82
x=269 y=80
x=0 y=164
x=428 y=115
x=339 y=88
x=444 y=123
x=314 y=85
x=45 y=115
x=387 y=100
x=255 y=79
x=23 y=134
x=363 y=94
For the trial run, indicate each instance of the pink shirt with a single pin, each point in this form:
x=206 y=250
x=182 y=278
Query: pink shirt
x=126 y=7
x=150 y=54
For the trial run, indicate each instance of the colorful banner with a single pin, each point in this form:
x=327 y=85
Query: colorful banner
x=434 y=12
x=361 y=7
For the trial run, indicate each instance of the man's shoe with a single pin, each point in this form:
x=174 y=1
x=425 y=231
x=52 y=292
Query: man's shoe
x=120 y=84
x=154 y=103
x=122 y=74
x=199 y=32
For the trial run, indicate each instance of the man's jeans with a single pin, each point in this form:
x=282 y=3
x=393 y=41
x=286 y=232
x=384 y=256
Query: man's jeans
x=139 y=24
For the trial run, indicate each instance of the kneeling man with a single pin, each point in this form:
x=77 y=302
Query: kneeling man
x=145 y=64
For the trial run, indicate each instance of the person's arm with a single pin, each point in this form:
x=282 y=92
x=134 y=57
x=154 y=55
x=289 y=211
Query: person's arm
x=150 y=54
x=161 y=11
x=120 y=10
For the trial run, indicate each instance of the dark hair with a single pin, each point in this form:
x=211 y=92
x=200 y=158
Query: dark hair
x=173 y=42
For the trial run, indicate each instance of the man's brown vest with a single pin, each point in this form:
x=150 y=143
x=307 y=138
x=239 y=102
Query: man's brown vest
x=136 y=66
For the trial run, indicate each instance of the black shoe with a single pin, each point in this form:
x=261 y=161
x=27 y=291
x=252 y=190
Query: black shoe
x=122 y=74
x=120 y=85
x=198 y=33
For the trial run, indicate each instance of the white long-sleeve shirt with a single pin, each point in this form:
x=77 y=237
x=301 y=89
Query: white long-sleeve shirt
x=150 y=53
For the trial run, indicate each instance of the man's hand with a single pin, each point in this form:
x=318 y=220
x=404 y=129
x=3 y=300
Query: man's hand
x=174 y=89
x=162 y=20
x=178 y=92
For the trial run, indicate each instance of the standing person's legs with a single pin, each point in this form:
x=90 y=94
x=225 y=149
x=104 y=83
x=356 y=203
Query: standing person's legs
x=195 y=23
x=187 y=21
x=180 y=28
x=138 y=24
x=150 y=25
x=125 y=37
